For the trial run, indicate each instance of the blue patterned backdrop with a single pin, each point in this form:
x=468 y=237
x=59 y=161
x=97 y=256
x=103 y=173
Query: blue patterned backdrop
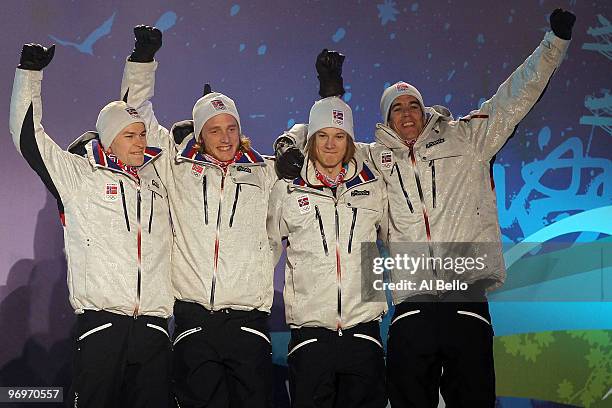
x=553 y=178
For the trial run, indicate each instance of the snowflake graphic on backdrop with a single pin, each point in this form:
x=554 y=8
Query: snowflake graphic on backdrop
x=387 y=12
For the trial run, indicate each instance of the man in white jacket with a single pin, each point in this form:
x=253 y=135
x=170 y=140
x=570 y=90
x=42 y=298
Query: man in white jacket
x=222 y=266
x=114 y=210
x=330 y=217
x=437 y=172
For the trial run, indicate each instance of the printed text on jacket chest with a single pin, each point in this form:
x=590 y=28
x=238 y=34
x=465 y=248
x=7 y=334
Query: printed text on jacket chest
x=356 y=193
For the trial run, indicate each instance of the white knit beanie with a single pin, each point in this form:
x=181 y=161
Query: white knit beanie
x=392 y=92
x=330 y=112
x=210 y=105
x=113 y=118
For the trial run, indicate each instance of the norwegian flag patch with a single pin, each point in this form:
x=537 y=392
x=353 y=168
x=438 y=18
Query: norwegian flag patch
x=218 y=104
x=111 y=192
x=338 y=117
x=196 y=170
x=132 y=112
x=304 y=204
x=386 y=160
x=402 y=86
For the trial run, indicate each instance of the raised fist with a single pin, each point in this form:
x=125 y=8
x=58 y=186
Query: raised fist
x=562 y=22
x=329 y=70
x=35 y=57
x=148 y=40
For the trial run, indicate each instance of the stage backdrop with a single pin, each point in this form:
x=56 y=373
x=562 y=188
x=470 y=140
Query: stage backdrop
x=553 y=178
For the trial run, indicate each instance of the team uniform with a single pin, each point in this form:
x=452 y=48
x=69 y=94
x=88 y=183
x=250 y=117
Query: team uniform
x=222 y=266
x=335 y=355
x=118 y=243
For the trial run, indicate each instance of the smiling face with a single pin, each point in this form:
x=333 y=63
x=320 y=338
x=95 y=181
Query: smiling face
x=129 y=145
x=220 y=136
x=328 y=149
x=406 y=117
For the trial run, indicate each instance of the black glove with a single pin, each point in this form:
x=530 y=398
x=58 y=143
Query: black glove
x=181 y=130
x=329 y=70
x=147 y=42
x=207 y=89
x=561 y=23
x=289 y=160
x=34 y=57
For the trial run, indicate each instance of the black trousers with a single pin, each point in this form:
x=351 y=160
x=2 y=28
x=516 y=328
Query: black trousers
x=329 y=370
x=441 y=345
x=120 y=361
x=221 y=359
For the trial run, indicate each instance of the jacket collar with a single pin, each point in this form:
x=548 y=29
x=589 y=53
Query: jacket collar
x=435 y=115
x=98 y=157
x=358 y=173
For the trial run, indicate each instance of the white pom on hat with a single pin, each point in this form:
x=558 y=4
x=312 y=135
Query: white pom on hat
x=113 y=118
x=210 y=105
x=330 y=112
x=392 y=92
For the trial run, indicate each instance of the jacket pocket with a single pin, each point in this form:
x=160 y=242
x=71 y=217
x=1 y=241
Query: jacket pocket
x=300 y=345
x=473 y=315
x=158 y=328
x=369 y=338
x=184 y=334
x=321 y=229
x=156 y=197
x=404 y=315
x=257 y=333
x=94 y=330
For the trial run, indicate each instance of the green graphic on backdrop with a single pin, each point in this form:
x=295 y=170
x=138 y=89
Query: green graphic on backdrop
x=570 y=367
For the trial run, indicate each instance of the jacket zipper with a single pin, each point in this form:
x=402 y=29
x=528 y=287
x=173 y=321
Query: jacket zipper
x=424 y=208
x=204 y=196
x=139 y=238
x=214 y=278
x=401 y=181
x=125 y=213
x=238 y=188
x=318 y=217
x=338 y=271
x=350 y=243
x=432 y=164
x=151 y=214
